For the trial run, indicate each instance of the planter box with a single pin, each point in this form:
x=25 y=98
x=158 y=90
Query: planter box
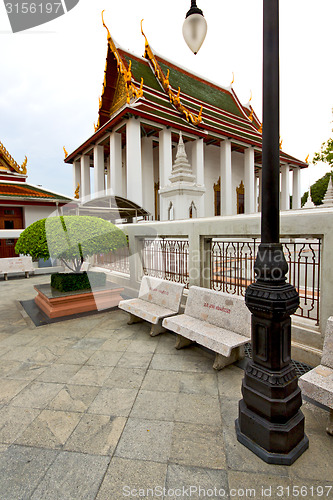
x=56 y=304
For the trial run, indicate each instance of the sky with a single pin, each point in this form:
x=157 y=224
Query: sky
x=52 y=75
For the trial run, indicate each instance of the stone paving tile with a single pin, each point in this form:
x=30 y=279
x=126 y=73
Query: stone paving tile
x=19 y=339
x=21 y=469
x=72 y=476
x=113 y=401
x=60 y=373
x=20 y=353
x=199 y=383
x=199 y=409
x=230 y=382
x=198 y=445
x=258 y=485
x=74 y=398
x=13 y=422
x=124 y=478
x=158 y=380
x=75 y=356
x=91 y=375
x=315 y=418
x=36 y=395
x=145 y=440
x=316 y=462
x=50 y=429
x=125 y=378
x=192 y=363
x=96 y=434
x=26 y=371
x=104 y=358
x=89 y=343
x=9 y=388
x=155 y=405
x=46 y=355
x=143 y=345
x=116 y=344
x=133 y=360
x=195 y=482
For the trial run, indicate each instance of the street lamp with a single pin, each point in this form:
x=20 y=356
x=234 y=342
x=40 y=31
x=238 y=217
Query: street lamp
x=270 y=422
x=194 y=28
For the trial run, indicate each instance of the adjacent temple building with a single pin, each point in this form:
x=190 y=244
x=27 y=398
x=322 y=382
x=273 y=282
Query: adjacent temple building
x=174 y=143
x=21 y=203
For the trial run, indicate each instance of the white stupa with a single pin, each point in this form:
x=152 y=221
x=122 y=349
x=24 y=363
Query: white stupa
x=183 y=197
x=328 y=199
x=309 y=203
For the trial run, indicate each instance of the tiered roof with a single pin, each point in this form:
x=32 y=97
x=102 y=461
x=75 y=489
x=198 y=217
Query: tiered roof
x=166 y=94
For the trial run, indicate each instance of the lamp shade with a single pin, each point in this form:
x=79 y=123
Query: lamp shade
x=194 y=31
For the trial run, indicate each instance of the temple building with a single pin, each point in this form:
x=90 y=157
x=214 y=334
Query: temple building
x=21 y=203
x=174 y=143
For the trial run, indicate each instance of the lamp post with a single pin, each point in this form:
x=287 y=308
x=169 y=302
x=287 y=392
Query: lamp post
x=270 y=422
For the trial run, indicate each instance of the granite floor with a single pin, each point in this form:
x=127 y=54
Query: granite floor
x=94 y=408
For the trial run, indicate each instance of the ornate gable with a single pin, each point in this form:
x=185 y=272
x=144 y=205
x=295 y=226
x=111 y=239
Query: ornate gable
x=8 y=165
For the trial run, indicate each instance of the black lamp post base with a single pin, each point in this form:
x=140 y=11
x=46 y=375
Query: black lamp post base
x=273 y=458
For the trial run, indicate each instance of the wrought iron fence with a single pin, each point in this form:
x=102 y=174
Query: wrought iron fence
x=166 y=258
x=114 y=261
x=232 y=265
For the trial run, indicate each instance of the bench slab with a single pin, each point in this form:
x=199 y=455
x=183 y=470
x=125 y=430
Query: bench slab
x=217 y=339
x=145 y=310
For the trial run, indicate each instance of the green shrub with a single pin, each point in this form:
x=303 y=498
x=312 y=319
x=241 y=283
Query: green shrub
x=70 y=238
x=68 y=282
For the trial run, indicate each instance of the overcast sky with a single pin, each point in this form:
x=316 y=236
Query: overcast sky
x=51 y=76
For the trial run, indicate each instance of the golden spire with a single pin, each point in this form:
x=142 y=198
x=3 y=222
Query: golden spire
x=131 y=89
x=233 y=79
x=76 y=193
x=307 y=159
x=66 y=154
x=19 y=169
x=164 y=80
x=281 y=141
x=250 y=96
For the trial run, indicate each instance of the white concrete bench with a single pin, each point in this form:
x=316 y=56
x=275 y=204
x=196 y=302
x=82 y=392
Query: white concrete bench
x=217 y=320
x=317 y=384
x=157 y=300
x=14 y=265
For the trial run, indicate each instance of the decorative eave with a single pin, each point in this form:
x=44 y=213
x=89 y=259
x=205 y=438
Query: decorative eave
x=164 y=80
x=12 y=163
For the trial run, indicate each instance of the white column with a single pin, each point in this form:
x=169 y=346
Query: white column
x=296 y=188
x=133 y=161
x=285 y=191
x=77 y=175
x=116 y=181
x=256 y=184
x=165 y=156
x=108 y=175
x=198 y=161
x=226 y=182
x=148 y=174
x=260 y=188
x=99 y=171
x=249 y=180
x=85 y=176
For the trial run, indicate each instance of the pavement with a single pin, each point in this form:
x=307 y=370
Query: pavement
x=92 y=408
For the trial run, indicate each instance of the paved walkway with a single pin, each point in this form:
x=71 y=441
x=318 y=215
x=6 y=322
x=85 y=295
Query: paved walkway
x=94 y=408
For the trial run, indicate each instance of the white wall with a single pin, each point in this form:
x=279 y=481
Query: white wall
x=33 y=213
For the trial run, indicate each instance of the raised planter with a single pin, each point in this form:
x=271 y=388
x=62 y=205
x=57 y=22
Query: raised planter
x=56 y=304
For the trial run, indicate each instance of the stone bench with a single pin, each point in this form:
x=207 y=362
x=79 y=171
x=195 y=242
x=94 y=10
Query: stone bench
x=13 y=265
x=157 y=300
x=317 y=384
x=217 y=320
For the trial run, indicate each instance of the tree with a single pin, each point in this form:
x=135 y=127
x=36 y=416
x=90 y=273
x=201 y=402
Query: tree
x=318 y=190
x=326 y=152
x=70 y=238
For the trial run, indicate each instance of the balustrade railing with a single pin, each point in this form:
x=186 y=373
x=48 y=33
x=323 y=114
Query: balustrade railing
x=114 y=261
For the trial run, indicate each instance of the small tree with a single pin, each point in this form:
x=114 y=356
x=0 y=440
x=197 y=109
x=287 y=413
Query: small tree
x=70 y=238
x=326 y=152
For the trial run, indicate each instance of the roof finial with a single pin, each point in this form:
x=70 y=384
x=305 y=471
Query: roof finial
x=307 y=159
x=66 y=154
x=233 y=79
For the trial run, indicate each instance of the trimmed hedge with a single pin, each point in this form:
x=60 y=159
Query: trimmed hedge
x=69 y=282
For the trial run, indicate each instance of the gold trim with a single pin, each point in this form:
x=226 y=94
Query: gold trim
x=66 y=154
x=19 y=169
x=164 y=80
x=131 y=89
x=77 y=191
